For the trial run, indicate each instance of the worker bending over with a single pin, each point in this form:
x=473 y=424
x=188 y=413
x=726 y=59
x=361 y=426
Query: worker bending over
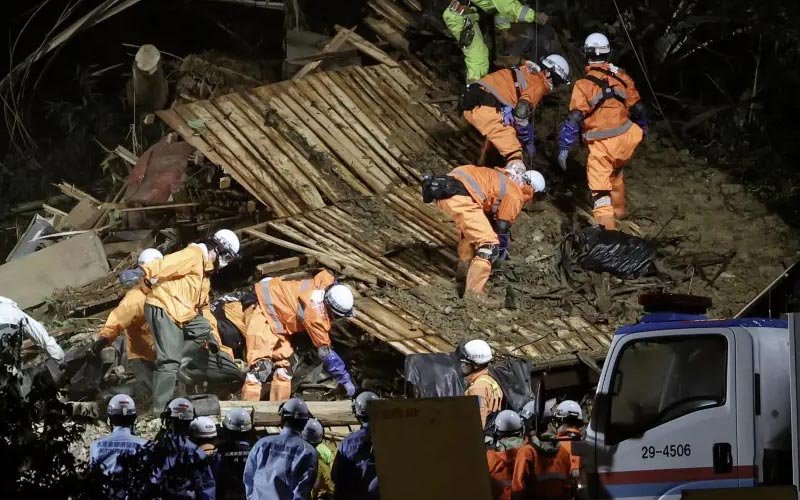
x=461 y=18
x=511 y=460
x=475 y=357
x=607 y=109
x=128 y=316
x=483 y=203
x=286 y=308
x=232 y=314
x=354 y=474
x=177 y=308
x=283 y=465
x=500 y=105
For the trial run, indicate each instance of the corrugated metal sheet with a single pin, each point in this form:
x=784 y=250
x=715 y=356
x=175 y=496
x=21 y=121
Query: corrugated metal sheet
x=302 y=144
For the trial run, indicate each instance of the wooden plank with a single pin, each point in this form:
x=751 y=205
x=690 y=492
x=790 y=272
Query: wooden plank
x=237 y=169
x=248 y=157
x=265 y=413
x=74 y=262
x=319 y=140
x=389 y=33
x=366 y=47
x=335 y=44
x=281 y=265
x=259 y=144
x=387 y=318
x=290 y=149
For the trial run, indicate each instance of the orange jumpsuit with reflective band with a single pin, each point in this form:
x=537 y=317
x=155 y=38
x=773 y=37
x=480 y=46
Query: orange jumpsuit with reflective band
x=552 y=475
x=129 y=316
x=180 y=283
x=610 y=135
x=285 y=308
x=488 y=120
x=492 y=194
x=512 y=472
x=490 y=395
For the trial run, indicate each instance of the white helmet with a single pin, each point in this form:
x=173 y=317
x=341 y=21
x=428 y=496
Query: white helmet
x=535 y=180
x=558 y=66
x=529 y=410
x=203 y=428
x=180 y=409
x=569 y=409
x=477 y=352
x=121 y=405
x=227 y=245
x=507 y=422
x=596 y=44
x=148 y=255
x=339 y=300
x=238 y=420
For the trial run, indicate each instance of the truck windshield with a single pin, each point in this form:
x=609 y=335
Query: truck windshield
x=658 y=380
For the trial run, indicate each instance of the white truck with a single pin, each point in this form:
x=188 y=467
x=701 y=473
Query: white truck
x=685 y=403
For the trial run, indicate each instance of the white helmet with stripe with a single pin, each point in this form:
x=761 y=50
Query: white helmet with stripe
x=597 y=47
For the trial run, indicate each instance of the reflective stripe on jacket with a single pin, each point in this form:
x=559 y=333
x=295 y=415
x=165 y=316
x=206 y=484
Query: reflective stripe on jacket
x=494 y=190
x=297 y=306
x=609 y=117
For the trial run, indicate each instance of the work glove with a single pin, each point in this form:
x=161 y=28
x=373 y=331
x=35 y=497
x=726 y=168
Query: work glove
x=262 y=369
x=541 y=18
x=508 y=116
x=98 y=345
x=131 y=277
x=349 y=389
x=530 y=154
x=562 y=159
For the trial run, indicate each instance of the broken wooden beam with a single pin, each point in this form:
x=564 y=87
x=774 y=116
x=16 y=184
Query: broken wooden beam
x=334 y=45
x=286 y=264
x=265 y=413
x=367 y=47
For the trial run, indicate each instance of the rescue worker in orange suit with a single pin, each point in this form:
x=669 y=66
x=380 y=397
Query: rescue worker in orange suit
x=500 y=105
x=232 y=314
x=607 y=108
x=569 y=418
x=475 y=357
x=512 y=461
x=286 y=308
x=552 y=470
x=139 y=343
x=177 y=310
x=484 y=202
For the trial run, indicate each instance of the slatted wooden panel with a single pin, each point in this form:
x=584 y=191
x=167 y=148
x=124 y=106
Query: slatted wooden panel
x=302 y=144
x=400 y=328
x=371 y=238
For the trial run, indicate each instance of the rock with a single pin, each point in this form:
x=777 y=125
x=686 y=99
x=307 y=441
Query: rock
x=537 y=236
x=728 y=276
x=448 y=310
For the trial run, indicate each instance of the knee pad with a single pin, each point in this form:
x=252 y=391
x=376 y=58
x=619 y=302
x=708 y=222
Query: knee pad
x=488 y=252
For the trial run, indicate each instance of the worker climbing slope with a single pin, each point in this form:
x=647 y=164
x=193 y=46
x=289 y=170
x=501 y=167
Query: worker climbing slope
x=128 y=316
x=483 y=203
x=285 y=308
x=461 y=18
x=607 y=112
x=176 y=307
x=500 y=105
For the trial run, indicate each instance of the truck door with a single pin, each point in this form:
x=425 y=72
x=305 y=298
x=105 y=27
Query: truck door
x=665 y=417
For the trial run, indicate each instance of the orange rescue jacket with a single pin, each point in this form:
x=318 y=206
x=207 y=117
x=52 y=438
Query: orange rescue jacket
x=604 y=118
x=553 y=474
x=511 y=472
x=181 y=283
x=499 y=196
x=129 y=316
x=502 y=84
x=566 y=437
x=490 y=395
x=297 y=306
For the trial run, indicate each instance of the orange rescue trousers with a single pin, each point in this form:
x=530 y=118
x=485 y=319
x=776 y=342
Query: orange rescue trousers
x=607 y=157
x=263 y=343
x=476 y=231
x=488 y=121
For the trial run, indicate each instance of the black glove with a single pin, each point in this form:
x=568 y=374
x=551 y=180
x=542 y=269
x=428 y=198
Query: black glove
x=98 y=345
x=262 y=369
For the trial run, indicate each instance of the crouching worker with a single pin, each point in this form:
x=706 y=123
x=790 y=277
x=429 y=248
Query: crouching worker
x=175 y=308
x=286 y=308
x=483 y=203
